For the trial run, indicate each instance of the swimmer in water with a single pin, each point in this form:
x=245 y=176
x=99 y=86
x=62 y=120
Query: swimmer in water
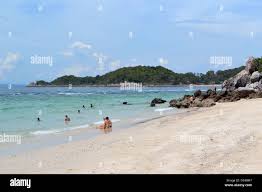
x=91 y=105
x=78 y=111
x=83 y=106
x=38 y=119
x=67 y=119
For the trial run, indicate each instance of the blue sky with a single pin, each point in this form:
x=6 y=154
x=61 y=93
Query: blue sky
x=96 y=36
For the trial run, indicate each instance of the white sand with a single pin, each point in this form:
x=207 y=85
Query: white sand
x=223 y=139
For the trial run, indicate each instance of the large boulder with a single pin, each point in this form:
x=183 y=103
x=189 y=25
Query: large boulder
x=239 y=80
x=185 y=102
x=157 y=101
x=197 y=93
x=251 y=65
x=244 y=92
x=211 y=93
x=197 y=103
x=255 y=77
x=173 y=103
x=179 y=104
x=208 y=103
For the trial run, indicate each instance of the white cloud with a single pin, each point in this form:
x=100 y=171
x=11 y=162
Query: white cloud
x=8 y=63
x=80 y=45
x=76 y=70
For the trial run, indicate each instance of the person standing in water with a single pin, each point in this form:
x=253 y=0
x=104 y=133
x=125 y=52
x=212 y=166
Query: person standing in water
x=91 y=105
x=84 y=106
x=38 y=119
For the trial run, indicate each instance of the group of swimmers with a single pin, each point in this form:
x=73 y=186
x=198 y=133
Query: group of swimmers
x=107 y=125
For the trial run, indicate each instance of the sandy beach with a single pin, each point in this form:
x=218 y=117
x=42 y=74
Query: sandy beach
x=225 y=138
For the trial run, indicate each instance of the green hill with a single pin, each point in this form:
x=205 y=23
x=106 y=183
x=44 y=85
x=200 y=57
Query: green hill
x=145 y=74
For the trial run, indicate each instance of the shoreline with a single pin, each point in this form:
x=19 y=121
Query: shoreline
x=54 y=137
x=225 y=138
x=118 y=85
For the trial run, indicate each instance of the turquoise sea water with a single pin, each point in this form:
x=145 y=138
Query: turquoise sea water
x=20 y=106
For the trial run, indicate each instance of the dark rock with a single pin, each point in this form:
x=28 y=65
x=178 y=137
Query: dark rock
x=173 y=103
x=158 y=101
x=185 y=102
x=242 y=81
x=211 y=93
x=208 y=103
x=203 y=96
x=197 y=103
x=197 y=93
x=222 y=93
x=125 y=103
x=217 y=98
x=152 y=105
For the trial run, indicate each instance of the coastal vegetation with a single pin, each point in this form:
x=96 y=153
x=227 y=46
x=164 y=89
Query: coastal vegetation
x=147 y=75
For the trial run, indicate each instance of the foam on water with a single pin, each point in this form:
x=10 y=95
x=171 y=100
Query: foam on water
x=64 y=93
x=52 y=131
x=164 y=109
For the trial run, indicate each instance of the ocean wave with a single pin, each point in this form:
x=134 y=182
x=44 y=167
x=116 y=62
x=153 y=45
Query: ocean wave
x=64 y=93
x=53 y=131
x=45 y=132
x=16 y=93
x=189 y=90
x=163 y=109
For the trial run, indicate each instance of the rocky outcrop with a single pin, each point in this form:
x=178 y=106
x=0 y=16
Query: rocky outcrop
x=240 y=80
x=157 y=101
x=244 y=78
x=251 y=65
x=246 y=84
